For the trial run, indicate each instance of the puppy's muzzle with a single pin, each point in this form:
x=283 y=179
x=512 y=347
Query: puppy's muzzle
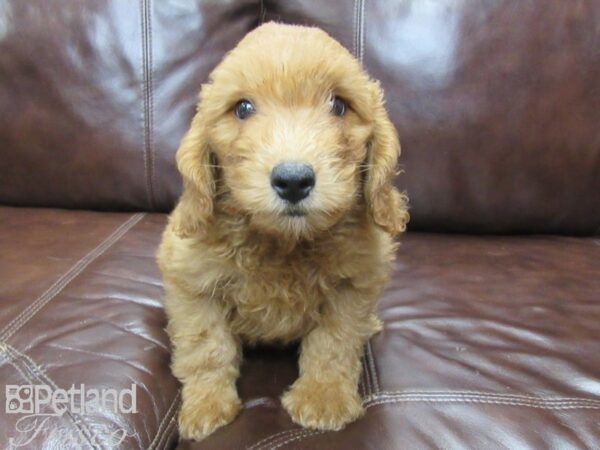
x=293 y=181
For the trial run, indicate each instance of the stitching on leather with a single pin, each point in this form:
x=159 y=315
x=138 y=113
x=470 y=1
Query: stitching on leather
x=472 y=400
x=488 y=394
x=361 y=43
x=274 y=437
x=358 y=27
x=153 y=183
x=283 y=438
x=166 y=419
x=366 y=373
x=9 y=359
x=172 y=433
x=355 y=30
x=167 y=434
x=391 y=397
x=25 y=315
x=373 y=367
x=144 y=103
x=362 y=381
x=38 y=373
x=147 y=100
x=548 y=403
x=488 y=398
x=308 y=433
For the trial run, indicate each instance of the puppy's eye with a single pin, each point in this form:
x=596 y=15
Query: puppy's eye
x=244 y=109
x=338 y=106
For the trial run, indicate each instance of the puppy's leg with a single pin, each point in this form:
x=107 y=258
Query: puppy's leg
x=206 y=361
x=325 y=396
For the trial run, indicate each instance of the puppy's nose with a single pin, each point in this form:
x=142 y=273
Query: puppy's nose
x=293 y=181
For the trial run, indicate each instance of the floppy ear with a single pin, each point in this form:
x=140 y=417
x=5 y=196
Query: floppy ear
x=387 y=206
x=195 y=205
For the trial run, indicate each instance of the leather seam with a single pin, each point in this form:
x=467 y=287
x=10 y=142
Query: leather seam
x=260 y=444
x=166 y=419
x=524 y=397
x=367 y=388
x=483 y=401
x=373 y=367
x=359 y=27
x=361 y=43
x=307 y=433
x=39 y=374
x=167 y=434
x=367 y=375
x=147 y=99
x=487 y=398
x=30 y=311
x=153 y=183
x=284 y=438
x=143 y=89
x=363 y=380
x=355 y=30
x=10 y=360
x=391 y=397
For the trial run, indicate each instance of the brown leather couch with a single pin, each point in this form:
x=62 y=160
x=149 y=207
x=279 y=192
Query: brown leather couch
x=492 y=318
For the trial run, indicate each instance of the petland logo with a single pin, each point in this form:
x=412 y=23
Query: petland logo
x=41 y=408
x=42 y=399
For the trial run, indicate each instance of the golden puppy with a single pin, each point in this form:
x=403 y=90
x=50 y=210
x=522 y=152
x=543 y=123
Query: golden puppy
x=284 y=229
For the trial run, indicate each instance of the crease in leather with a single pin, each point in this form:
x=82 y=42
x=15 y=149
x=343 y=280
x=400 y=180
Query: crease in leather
x=38 y=373
x=22 y=318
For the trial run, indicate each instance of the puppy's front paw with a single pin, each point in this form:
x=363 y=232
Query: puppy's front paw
x=205 y=408
x=324 y=406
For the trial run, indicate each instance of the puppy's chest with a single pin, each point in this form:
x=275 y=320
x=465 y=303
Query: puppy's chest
x=278 y=299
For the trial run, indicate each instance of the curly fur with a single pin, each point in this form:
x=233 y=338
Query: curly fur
x=237 y=269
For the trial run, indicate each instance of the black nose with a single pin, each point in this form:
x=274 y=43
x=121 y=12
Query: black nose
x=292 y=181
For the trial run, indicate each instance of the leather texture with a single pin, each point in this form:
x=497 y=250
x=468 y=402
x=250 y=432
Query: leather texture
x=95 y=96
x=81 y=304
x=496 y=102
x=489 y=341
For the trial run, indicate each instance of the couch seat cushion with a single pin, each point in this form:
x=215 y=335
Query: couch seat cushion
x=489 y=342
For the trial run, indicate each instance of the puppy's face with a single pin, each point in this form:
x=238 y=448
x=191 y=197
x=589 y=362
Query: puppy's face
x=287 y=120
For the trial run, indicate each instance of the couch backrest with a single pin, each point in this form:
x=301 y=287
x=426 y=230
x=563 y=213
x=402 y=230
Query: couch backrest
x=497 y=102
x=96 y=94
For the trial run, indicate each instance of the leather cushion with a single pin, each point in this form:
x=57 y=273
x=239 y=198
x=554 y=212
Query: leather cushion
x=489 y=342
x=80 y=303
x=496 y=104
x=95 y=96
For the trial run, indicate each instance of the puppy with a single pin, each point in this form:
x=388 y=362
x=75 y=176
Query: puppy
x=284 y=231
